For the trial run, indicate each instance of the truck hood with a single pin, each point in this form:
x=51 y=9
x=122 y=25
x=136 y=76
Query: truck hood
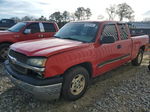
x=46 y=47
x=5 y=33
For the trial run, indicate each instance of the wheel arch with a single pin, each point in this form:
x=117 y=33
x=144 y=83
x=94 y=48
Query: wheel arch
x=6 y=42
x=143 y=47
x=86 y=65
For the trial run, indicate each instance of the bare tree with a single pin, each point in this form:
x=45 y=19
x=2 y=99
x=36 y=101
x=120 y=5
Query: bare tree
x=124 y=11
x=111 y=11
x=88 y=13
x=28 y=18
x=66 y=16
x=42 y=18
x=80 y=13
x=16 y=19
x=72 y=17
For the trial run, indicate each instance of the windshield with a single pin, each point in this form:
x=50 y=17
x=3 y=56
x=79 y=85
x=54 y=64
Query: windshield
x=17 y=27
x=79 y=31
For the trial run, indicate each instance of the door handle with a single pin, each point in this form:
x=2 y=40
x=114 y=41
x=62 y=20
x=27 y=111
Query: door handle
x=41 y=36
x=119 y=46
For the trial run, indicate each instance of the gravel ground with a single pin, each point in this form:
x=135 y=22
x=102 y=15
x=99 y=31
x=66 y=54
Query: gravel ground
x=125 y=89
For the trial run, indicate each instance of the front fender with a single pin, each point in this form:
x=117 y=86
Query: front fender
x=58 y=64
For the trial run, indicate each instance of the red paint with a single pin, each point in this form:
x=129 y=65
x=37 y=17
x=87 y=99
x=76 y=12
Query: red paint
x=62 y=54
x=12 y=37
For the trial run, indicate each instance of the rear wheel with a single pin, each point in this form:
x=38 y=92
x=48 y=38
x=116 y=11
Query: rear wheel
x=4 y=51
x=138 y=60
x=75 y=83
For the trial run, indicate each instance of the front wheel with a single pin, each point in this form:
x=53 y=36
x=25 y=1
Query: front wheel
x=4 y=51
x=138 y=60
x=75 y=83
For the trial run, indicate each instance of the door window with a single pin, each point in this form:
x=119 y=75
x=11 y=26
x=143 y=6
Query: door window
x=49 y=27
x=110 y=30
x=34 y=27
x=123 y=31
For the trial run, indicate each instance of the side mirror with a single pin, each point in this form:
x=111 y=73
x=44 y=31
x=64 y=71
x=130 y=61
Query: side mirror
x=107 y=40
x=27 y=31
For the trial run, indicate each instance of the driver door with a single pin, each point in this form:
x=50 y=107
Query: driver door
x=34 y=33
x=108 y=53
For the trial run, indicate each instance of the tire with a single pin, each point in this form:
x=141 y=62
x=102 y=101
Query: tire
x=75 y=83
x=138 y=60
x=3 y=51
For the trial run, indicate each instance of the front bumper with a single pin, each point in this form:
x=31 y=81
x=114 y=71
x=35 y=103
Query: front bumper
x=45 y=89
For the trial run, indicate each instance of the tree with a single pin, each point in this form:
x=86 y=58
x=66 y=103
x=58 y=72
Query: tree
x=88 y=13
x=72 y=17
x=80 y=13
x=16 y=19
x=57 y=16
x=28 y=18
x=42 y=18
x=111 y=11
x=66 y=16
x=124 y=11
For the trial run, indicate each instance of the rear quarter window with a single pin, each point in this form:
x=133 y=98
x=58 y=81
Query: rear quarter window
x=49 y=27
x=123 y=31
x=110 y=30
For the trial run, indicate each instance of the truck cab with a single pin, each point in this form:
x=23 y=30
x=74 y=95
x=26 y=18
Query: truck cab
x=25 y=31
x=6 y=23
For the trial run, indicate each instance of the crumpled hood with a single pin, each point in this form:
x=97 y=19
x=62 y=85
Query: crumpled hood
x=46 y=47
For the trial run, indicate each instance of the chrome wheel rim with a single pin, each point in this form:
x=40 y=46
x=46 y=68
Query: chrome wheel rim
x=77 y=84
x=4 y=52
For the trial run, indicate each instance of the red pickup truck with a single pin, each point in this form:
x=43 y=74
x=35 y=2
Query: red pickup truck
x=25 y=31
x=63 y=65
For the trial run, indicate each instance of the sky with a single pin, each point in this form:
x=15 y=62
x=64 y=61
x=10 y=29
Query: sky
x=21 y=8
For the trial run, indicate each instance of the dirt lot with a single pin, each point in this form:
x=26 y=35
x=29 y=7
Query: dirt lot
x=125 y=89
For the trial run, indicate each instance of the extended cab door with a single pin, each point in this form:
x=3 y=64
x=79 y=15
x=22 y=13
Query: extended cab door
x=34 y=32
x=125 y=42
x=109 y=54
x=49 y=30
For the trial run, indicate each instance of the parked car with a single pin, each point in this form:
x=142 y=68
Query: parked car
x=25 y=31
x=6 y=23
x=79 y=51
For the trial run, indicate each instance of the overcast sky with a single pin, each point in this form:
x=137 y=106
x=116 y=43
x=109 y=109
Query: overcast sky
x=20 y=8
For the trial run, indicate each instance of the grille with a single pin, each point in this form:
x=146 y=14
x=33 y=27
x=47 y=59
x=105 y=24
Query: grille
x=18 y=56
x=18 y=68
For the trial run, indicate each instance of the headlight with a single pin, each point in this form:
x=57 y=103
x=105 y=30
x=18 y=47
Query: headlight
x=38 y=62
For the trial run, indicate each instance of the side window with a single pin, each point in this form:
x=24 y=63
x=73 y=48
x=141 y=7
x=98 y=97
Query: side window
x=34 y=27
x=123 y=31
x=110 y=30
x=49 y=27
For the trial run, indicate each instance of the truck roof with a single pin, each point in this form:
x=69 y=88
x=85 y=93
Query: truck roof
x=102 y=21
x=38 y=22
